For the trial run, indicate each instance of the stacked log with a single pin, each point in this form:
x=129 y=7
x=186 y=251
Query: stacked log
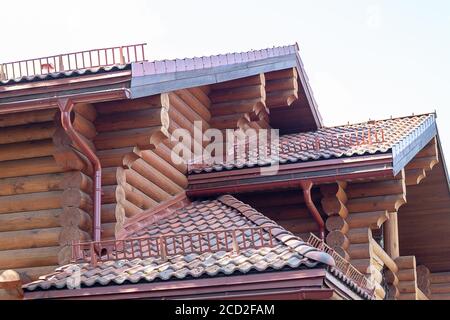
x=31 y=186
x=137 y=162
x=281 y=88
x=287 y=208
x=407 y=277
x=369 y=205
x=334 y=204
x=239 y=104
x=77 y=196
x=440 y=285
x=423 y=162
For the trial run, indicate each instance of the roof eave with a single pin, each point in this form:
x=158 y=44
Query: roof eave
x=235 y=286
x=290 y=175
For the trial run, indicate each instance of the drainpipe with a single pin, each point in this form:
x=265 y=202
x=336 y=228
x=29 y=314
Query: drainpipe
x=66 y=105
x=306 y=186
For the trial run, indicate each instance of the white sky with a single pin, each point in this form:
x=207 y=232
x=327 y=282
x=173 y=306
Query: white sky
x=365 y=58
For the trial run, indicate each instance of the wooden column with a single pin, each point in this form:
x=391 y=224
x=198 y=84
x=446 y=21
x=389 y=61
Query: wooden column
x=390 y=229
x=334 y=204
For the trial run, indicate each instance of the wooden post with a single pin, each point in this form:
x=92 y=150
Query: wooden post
x=391 y=242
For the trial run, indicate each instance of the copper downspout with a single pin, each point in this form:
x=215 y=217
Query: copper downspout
x=306 y=187
x=66 y=105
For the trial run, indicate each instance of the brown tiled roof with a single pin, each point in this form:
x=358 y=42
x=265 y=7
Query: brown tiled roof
x=66 y=74
x=297 y=147
x=287 y=252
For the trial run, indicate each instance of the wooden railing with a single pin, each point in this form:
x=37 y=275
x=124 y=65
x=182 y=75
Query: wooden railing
x=80 y=60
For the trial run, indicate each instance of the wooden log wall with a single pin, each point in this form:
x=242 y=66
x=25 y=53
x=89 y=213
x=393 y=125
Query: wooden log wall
x=31 y=188
x=424 y=161
x=407 y=276
x=239 y=104
x=77 y=196
x=127 y=130
x=440 y=285
x=355 y=210
x=281 y=88
x=287 y=208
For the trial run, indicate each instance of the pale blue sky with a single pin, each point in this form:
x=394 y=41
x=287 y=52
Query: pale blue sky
x=365 y=59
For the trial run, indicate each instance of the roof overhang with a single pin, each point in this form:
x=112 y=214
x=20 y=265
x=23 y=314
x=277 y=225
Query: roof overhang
x=144 y=85
x=89 y=85
x=99 y=94
x=290 y=175
x=304 y=284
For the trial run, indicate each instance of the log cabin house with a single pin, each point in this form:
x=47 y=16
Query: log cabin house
x=93 y=205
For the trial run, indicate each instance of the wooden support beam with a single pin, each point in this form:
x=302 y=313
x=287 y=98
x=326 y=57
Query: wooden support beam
x=390 y=203
x=387 y=260
x=414 y=176
x=375 y=188
x=406 y=262
x=373 y=219
x=391 y=240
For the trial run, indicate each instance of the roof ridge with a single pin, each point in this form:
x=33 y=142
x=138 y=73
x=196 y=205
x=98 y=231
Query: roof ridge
x=278 y=47
x=376 y=120
x=155 y=67
x=278 y=232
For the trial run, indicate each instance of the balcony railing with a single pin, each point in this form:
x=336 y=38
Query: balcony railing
x=104 y=57
x=344 y=266
x=170 y=245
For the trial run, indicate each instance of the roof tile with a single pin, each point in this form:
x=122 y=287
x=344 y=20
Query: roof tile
x=326 y=143
x=208 y=215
